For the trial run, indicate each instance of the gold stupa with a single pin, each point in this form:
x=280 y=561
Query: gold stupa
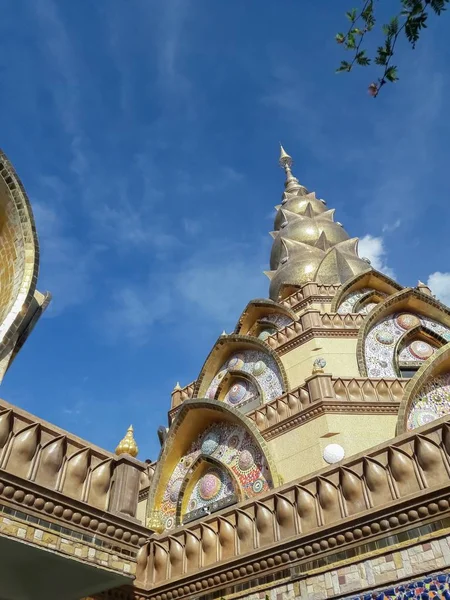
x=308 y=245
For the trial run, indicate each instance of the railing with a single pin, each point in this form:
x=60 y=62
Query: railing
x=381 y=490
x=39 y=452
x=369 y=390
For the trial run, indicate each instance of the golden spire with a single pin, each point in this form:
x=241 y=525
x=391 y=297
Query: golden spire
x=128 y=444
x=308 y=245
x=285 y=161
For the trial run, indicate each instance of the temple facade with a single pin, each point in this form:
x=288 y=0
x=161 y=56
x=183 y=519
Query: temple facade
x=310 y=457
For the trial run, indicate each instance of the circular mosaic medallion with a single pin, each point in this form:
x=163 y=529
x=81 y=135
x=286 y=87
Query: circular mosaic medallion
x=257 y=486
x=237 y=392
x=246 y=460
x=210 y=485
x=210 y=442
x=266 y=333
x=236 y=362
x=407 y=321
x=421 y=417
x=192 y=504
x=175 y=490
x=385 y=337
x=233 y=442
x=259 y=367
x=170 y=523
x=421 y=350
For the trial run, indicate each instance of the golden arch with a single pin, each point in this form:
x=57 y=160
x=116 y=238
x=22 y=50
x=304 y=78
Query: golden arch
x=258 y=308
x=199 y=467
x=436 y=365
x=193 y=417
x=409 y=300
x=20 y=303
x=371 y=279
x=222 y=349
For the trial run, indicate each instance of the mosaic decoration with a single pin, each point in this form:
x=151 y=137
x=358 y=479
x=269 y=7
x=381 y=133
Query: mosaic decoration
x=213 y=486
x=265 y=333
x=380 y=343
x=418 y=350
x=350 y=301
x=259 y=365
x=432 y=403
x=240 y=391
x=435 y=586
x=239 y=459
x=280 y=321
x=348 y=305
x=365 y=310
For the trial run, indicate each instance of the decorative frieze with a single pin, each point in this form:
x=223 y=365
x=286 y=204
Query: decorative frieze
x=368 y=496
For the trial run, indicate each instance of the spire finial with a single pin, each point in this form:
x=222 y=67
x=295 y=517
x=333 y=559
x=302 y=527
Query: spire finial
x=285 y=161
x=128 y=444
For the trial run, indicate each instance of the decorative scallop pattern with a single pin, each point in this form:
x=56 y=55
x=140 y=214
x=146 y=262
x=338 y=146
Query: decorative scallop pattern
x=259 y=365
x=379 y=347
x=237 y=456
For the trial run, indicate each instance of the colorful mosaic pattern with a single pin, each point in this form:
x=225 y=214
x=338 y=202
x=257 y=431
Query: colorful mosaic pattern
x=278 y=320
x=241 y=390
x=348 y=306
x=256 y=363
x=213 y=486
x=234 y=448
x=381 y=341
x=432 y=403
x=350 y=301
x=418 y=350
x=435 y=586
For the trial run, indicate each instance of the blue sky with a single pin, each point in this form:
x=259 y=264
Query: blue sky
x=146 y=134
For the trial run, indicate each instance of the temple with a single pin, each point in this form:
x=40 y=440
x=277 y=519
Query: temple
x=310 y=457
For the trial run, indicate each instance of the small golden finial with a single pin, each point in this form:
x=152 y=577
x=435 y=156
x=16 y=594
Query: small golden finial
x=177 y=386
x=224 y=333
x=285 y=159
x=128 y=444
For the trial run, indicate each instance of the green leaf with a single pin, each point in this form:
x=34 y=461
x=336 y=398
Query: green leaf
x=362 y=59
x=352 y=14
x=391 y=74
x=351 y=42
x=344 y=66
x=340 y=38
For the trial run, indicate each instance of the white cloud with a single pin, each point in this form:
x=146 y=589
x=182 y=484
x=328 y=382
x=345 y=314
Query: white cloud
x=373 y=248
x=439 y=283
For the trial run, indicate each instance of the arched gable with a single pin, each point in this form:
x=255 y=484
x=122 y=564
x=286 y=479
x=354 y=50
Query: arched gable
x=20 y=303
x=352 y=290
x=263 y=309
x=211 y=430
x=388 y=322
x=427 y=395
x=238 y=352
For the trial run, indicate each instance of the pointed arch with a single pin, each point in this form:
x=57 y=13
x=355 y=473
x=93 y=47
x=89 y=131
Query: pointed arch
x=273 y=381
x=257 y=309
x=197 y=421
x=251 y=392
x=203 y=465
x=389 y=320
x=431 y=380
x=370 y=280
x=20 y=303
